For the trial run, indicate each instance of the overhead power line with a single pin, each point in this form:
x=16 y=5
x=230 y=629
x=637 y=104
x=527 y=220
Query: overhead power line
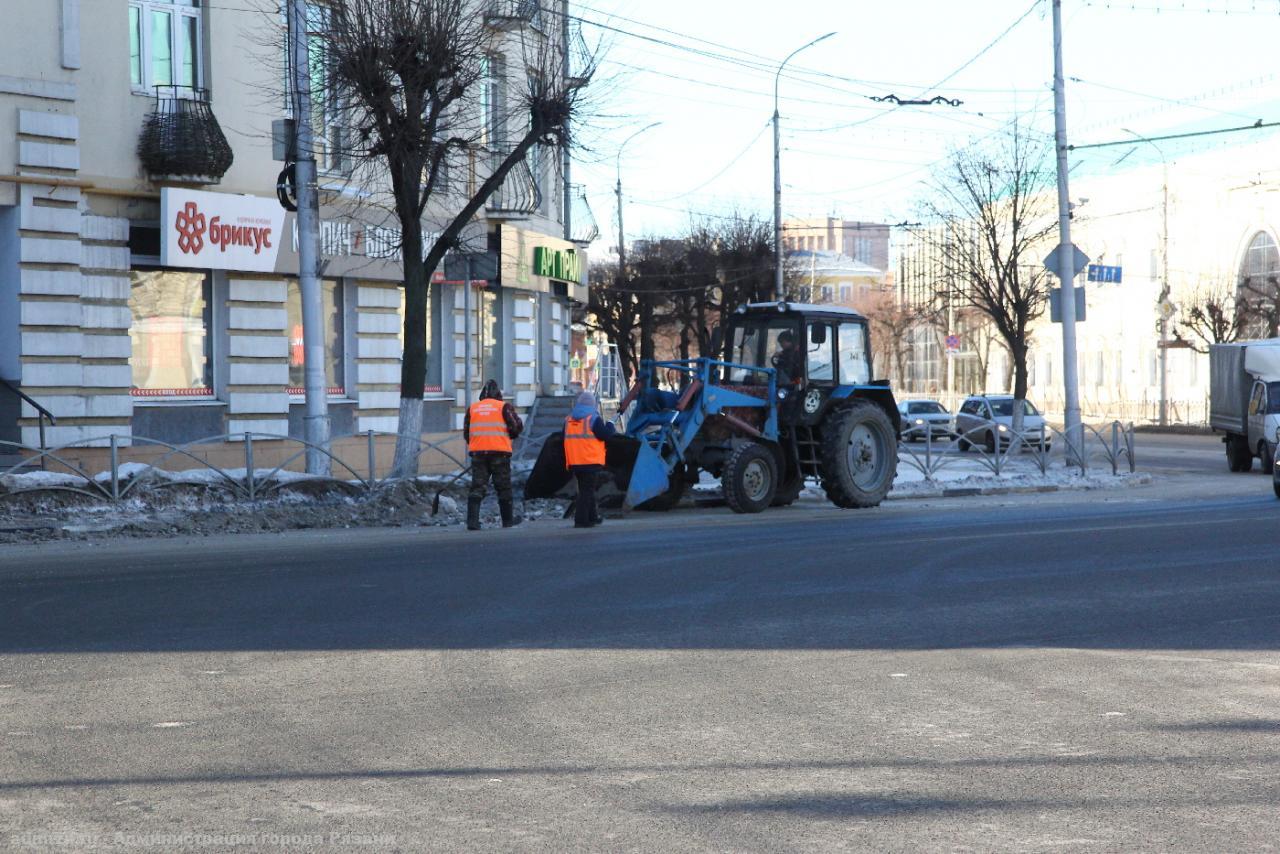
x=1258 y=125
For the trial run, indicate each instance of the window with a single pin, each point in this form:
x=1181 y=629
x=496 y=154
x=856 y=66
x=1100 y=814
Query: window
x=171 y=349
x=820 y=355
x=328 y=121
x=855 y=367
x=846 y=293
x=434 y=361
x=164 y=44
x=1258 y=272
x=492 y=102
x=331 y=295
x=489 y=325
x=755 y=345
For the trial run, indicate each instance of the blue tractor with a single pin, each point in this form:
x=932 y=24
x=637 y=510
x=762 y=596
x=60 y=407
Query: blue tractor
x=792 y=398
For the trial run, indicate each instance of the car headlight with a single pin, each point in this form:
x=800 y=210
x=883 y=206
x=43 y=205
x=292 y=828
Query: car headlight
x=1003 y=429
x=919 y=420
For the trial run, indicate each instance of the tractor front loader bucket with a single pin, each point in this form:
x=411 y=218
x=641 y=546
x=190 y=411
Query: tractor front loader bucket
x=648 y=476
x=549 y=475
x=634 y=468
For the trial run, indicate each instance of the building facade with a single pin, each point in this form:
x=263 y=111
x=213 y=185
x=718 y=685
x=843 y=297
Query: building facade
x=148 y=275
x=1204 y=223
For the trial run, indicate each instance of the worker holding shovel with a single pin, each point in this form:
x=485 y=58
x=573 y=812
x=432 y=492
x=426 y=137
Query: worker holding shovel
x=489 y=426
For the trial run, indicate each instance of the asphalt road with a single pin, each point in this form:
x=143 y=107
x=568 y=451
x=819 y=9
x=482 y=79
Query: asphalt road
x=1097 y=672
x=1168 y=453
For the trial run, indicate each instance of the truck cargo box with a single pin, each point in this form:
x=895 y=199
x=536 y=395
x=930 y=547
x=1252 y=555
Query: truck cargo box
x=1229 y=387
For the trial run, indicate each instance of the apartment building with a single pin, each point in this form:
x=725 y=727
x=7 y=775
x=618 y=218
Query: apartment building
x=148 y=273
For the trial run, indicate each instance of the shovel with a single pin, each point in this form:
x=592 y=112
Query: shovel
x=435 y=502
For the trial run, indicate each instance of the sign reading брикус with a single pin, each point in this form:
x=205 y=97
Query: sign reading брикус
x=219 y=231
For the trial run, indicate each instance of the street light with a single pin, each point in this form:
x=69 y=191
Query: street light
x=777 y=171
x=1164 y=286
x=622 y=241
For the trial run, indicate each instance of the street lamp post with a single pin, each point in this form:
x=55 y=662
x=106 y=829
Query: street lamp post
x=622 y=238
x=1164 y=275
x=778 y=291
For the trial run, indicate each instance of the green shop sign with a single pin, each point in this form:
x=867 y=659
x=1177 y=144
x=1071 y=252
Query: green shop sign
x=557 y=264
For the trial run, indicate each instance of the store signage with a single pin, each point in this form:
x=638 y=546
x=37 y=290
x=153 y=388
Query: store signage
x=219 y=231
x=561 y=264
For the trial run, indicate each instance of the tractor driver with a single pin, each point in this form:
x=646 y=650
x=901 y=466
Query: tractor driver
x=789 y=361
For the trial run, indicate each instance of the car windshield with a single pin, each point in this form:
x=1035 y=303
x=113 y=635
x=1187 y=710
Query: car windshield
x=1004 y=407
x=927 y=407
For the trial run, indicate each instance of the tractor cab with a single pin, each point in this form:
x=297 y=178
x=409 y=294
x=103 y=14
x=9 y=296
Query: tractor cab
x=814 y=350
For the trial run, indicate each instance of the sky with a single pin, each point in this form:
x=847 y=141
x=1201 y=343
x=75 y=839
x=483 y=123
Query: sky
x=705 y=70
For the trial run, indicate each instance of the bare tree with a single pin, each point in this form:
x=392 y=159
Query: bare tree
x=420 y=98
x=615 y=311
x=1210 y=314
x=994 y=214
x=892 y=322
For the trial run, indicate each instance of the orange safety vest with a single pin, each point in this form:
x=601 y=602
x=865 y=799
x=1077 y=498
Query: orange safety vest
x=488 y=428
x=581 y=447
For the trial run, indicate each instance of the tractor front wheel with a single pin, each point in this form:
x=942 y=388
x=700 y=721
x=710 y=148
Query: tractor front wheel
x=859 y=455
x=750 y=478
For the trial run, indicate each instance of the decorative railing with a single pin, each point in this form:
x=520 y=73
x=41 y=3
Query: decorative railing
x=116 y=480
x=181 y=139
x=513 y=13
x=518 y=196
x=1112 y=445
x=583 y=221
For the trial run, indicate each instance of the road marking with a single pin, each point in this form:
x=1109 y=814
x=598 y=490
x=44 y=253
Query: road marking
x=170 y=724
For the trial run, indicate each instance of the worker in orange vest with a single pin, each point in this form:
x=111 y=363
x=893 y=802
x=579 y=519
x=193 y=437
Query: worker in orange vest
x=585 y=432
x=488 y=427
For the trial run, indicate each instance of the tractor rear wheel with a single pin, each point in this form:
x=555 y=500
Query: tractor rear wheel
x=750 y=478
x=859 y=455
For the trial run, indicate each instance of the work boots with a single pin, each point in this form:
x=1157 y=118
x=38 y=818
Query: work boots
x=473 y=514
x=509 y=517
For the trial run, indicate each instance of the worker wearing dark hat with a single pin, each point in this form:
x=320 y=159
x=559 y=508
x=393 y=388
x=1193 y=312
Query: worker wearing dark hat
x=585 y=432
x=488 y=427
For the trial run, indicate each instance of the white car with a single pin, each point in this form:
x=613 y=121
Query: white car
x=987 y=420
x=918 y=416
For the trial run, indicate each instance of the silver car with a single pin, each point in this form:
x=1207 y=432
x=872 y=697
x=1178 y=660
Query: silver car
x=920 y=417
x=987 y=420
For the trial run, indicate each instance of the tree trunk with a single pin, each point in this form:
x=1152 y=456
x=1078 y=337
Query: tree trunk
x=646 y=327
x=413 y=370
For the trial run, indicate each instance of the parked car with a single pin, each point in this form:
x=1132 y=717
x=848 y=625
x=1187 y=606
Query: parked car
x=917 y=416
x=987 y=419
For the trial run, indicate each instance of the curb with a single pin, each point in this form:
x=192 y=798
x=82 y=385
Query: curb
x=1137 y=479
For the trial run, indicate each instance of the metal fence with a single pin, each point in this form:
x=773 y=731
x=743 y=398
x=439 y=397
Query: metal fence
x=115 y=480
x=1110 y=445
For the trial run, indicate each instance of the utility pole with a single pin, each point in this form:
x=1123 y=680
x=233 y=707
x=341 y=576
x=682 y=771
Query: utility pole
x=622 y=237
x=308 y=220
x=565 y=70
x=779 y=292
x=1066 y=253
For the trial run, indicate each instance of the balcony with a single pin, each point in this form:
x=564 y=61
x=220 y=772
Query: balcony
x=513 y=14
x=517 y=197
x=181 y=141
x=582 y=222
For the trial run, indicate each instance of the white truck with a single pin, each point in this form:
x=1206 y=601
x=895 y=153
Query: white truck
x=1244 y=400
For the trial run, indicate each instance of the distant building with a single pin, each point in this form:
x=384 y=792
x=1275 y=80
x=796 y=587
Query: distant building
x=865 y=242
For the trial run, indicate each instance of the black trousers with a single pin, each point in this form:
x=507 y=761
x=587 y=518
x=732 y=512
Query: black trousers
x=585 y=512
x=491 y=466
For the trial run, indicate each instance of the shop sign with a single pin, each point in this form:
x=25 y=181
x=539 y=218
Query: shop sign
x=219 y=231
x=560 y=264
